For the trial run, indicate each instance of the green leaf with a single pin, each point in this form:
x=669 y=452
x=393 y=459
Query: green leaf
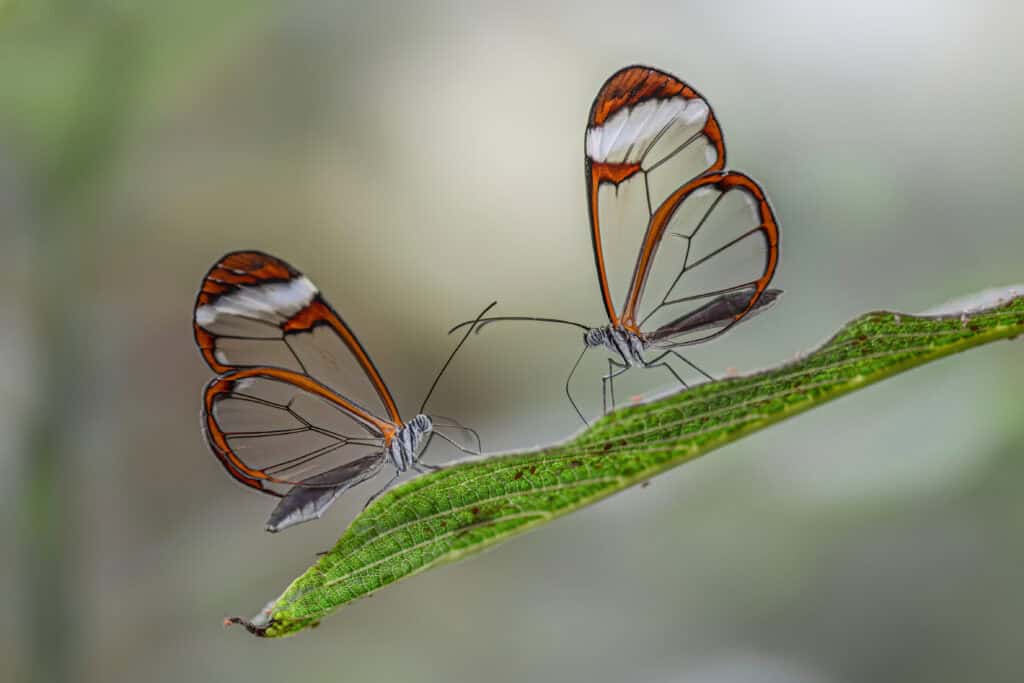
x=447 y=515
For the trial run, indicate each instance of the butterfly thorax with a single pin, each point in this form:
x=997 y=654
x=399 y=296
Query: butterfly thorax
x=626 y=344
x=403 y=445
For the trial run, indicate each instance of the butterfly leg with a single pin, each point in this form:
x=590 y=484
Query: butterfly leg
x=654 y=363
x=382 y=490
x=690 y=363
x=423 y=451
x=467 y=451
x=455 y=424
x=608 y=382
x=423 y=467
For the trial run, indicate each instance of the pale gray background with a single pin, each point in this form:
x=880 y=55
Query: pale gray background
x=418 y=159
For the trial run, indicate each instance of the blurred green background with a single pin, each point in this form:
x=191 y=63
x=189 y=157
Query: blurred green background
x=418 y=159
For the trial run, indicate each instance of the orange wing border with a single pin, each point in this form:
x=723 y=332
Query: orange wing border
x=723 y=181
x=254 y=268
x=223 y=387
x=628 y=87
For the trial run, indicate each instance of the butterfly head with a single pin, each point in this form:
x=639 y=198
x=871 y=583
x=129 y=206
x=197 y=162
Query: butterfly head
x=420 y=425
x=596 y=336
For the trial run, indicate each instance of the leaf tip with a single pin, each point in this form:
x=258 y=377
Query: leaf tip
x=251 y=627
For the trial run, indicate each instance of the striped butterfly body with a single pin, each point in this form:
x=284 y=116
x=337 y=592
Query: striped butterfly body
x=684 y=249
x=298 y=409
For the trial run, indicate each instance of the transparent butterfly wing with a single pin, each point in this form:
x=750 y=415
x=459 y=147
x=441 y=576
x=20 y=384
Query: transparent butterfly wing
x=310 y=500
x=647 y=132
x=299 y=411
x=710 y=252
x=255 y=310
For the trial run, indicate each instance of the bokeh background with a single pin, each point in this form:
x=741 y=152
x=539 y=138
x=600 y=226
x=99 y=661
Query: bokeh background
x=418 y=159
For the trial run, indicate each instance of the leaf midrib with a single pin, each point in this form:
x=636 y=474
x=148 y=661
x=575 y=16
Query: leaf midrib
x=582 y=450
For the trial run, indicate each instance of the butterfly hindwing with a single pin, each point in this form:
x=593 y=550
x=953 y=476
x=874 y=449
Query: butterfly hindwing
x=713 y=241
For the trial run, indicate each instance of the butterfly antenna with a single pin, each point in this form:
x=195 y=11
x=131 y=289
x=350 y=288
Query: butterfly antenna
x=479 y=323
x=452 y=356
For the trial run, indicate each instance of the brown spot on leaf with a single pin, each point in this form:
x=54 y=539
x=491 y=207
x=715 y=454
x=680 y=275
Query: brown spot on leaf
x=475 y=511
x=575 y=463
x=519 y=475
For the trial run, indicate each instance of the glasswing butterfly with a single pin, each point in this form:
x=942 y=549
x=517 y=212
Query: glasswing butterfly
x=298 y=409
x=697 y=244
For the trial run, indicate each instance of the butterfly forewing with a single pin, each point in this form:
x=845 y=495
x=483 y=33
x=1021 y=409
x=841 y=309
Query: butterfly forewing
x=647 y=131
x=255 y=310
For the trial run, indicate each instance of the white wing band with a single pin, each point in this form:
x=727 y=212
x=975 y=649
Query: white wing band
x=274 y=302
x=628 y=135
